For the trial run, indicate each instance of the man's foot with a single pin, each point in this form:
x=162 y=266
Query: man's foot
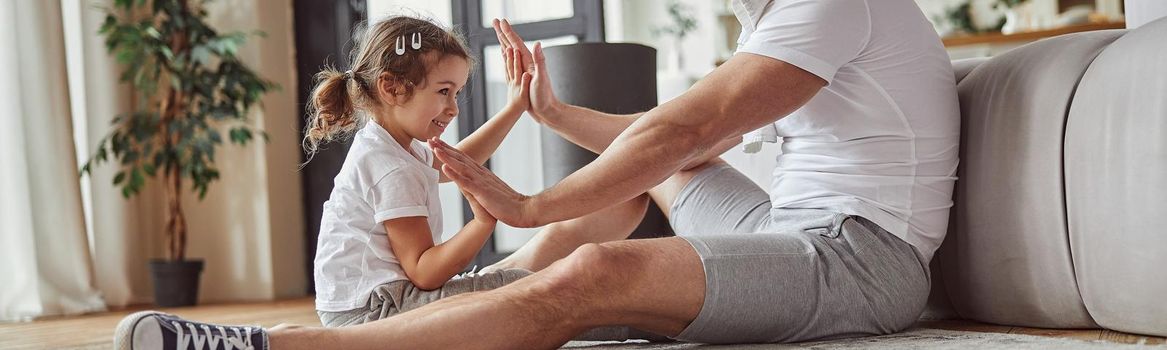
x=157 y=330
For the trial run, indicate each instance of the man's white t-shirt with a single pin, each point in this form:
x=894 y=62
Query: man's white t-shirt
x=379 y=181
x=880 y=140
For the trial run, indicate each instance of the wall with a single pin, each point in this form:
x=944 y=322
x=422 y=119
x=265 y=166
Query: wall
x=1140 y=12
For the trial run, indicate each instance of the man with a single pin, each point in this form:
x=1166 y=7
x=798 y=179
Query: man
x=864 y=100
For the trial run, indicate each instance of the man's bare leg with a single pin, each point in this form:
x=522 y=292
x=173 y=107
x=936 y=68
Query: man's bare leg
x=656 y=285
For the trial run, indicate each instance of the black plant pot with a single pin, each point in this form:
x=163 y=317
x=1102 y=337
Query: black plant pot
x=176 y=283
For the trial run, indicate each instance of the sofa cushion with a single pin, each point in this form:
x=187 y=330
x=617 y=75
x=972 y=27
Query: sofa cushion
x=1006 y=258
x=961 y=67
x=1116 y=183
x=939 y=307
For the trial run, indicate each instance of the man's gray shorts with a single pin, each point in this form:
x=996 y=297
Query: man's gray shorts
x=788 y=275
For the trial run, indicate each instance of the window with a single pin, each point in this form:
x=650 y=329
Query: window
x=525 y=11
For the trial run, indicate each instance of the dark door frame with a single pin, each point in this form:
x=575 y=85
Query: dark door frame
x=323 y=31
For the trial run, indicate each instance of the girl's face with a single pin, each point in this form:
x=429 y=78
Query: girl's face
x=434 y=103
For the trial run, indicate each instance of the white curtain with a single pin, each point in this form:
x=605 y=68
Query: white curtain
x=120 y=233
x=43 y=251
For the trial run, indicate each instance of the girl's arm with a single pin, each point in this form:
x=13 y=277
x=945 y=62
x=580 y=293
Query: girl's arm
x=484 y=141
x=427 y=265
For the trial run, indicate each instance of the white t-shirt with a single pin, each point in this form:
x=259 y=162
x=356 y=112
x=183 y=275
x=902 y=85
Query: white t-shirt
x=379 y=181
x=880 y=140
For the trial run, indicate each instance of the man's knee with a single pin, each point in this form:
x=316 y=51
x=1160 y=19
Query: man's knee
x=589 y=267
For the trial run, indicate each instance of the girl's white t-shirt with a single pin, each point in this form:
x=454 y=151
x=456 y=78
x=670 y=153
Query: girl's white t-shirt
x=379 y=181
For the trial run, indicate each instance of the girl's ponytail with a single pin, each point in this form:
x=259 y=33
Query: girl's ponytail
x=332 y=110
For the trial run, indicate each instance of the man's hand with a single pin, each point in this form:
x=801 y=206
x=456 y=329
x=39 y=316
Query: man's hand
x=500 y=200
x=543 y=104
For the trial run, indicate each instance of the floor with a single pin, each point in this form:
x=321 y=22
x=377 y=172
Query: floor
x=98 y=328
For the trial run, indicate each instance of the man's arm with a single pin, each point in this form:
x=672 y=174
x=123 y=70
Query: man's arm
x=590 y=129
x=743 y=94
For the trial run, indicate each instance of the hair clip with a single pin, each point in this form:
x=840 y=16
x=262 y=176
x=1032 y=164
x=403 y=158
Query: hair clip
x=415 y=41
x=348 y=74
x=400 y=46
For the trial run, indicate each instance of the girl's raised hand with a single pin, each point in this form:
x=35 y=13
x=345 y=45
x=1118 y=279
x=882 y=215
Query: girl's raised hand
x=480 y=213
x=518 y=81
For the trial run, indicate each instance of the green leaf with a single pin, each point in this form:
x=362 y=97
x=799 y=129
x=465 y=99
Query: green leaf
x=136 y=179
x=119 y=177
x=110 y=23
x=153 y=33
x=201 y=54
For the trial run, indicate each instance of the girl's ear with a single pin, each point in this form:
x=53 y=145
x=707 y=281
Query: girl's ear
x=390 y=90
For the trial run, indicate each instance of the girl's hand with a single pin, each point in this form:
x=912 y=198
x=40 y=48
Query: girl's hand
x=480 y=213
x=518 y=81
x=499 y=199
x=543 y=103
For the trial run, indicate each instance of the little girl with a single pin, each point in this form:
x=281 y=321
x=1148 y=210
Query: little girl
x=377 y=253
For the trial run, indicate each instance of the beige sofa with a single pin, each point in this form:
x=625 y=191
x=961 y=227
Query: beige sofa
x=1061 y=202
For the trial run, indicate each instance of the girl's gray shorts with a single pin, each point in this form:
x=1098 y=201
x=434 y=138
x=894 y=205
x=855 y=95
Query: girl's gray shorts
x=788 y=275
x=400 y=296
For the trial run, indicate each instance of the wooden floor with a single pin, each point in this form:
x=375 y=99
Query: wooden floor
x=98 y=328
x=51 y=333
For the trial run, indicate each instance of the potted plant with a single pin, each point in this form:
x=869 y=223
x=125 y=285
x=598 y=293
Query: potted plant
x=1018 y=17
x=189 y=86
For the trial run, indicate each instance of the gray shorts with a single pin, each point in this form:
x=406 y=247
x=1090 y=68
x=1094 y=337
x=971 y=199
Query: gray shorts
x=400 y=296
x=790 y=275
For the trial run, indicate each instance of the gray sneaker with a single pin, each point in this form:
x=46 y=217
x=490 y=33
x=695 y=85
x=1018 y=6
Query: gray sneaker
x=157 y=330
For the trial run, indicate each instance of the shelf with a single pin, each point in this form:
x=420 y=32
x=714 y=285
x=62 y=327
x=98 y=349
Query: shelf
x=998 y=38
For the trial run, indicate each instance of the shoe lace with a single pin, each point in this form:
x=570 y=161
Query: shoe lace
x=473 y=271
x=196 y=340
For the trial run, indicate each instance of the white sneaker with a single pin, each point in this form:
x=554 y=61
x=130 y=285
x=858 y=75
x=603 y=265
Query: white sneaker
x=157 y=330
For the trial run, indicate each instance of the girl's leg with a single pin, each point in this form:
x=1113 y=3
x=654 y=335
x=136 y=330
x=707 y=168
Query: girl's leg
x=557 y=240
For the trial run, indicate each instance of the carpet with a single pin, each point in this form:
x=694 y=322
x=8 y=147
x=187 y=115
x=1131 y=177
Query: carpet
x=919 y=338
